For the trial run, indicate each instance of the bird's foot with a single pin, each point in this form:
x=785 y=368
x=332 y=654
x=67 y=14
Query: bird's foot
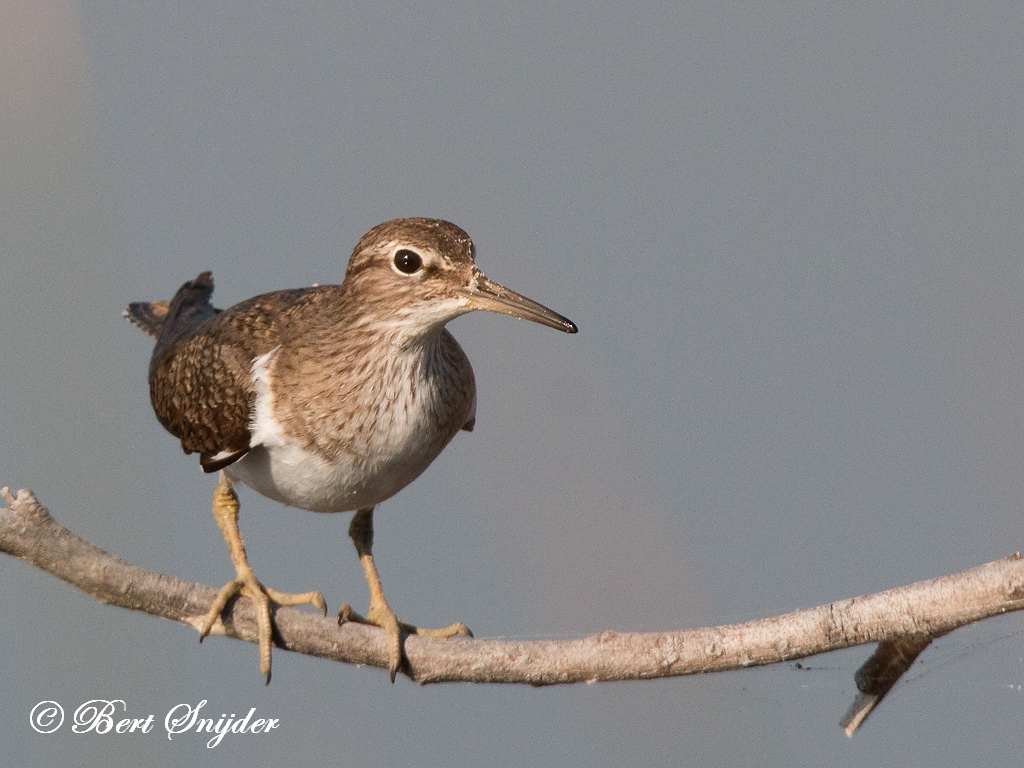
x=246 y=584
x=381 y=615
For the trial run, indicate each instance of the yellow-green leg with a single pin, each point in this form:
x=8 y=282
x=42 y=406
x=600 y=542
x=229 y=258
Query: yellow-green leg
x=225 y=512
x=380 y=613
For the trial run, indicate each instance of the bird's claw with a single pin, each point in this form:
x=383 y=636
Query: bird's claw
x=247 y=585
x=385 y=618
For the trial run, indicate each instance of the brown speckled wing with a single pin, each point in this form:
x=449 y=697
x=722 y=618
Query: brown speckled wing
x=200 y=376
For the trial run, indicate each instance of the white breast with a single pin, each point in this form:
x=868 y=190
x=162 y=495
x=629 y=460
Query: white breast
x=391 y=453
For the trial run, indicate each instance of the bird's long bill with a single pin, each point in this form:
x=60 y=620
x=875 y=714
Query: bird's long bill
x=490 y=296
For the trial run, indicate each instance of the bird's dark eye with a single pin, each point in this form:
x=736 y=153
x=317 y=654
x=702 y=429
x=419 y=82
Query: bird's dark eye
x=408 y=261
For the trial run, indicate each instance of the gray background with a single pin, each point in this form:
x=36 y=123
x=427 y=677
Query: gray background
x=791 y=237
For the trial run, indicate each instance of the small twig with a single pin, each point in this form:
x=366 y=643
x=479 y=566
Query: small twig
x=902 y=620
x=877 y=676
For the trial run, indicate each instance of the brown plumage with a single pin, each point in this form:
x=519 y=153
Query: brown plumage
x=200 y=375
x=330 y=398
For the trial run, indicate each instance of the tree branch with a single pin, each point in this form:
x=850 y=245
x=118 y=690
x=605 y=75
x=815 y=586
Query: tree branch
x=903 y=621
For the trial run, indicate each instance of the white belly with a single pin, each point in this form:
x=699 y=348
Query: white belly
x=292 y=475
x=373 y=463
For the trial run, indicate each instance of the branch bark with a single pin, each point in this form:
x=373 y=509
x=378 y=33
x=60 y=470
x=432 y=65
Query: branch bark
x=903 y=621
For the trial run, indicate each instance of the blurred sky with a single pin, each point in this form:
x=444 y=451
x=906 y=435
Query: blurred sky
x=791 y=238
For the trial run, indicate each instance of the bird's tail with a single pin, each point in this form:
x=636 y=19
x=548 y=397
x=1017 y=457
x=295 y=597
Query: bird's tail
x=170 y=319
x=148 y=315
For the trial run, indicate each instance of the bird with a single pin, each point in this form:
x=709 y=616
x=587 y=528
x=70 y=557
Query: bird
x=330 y=398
